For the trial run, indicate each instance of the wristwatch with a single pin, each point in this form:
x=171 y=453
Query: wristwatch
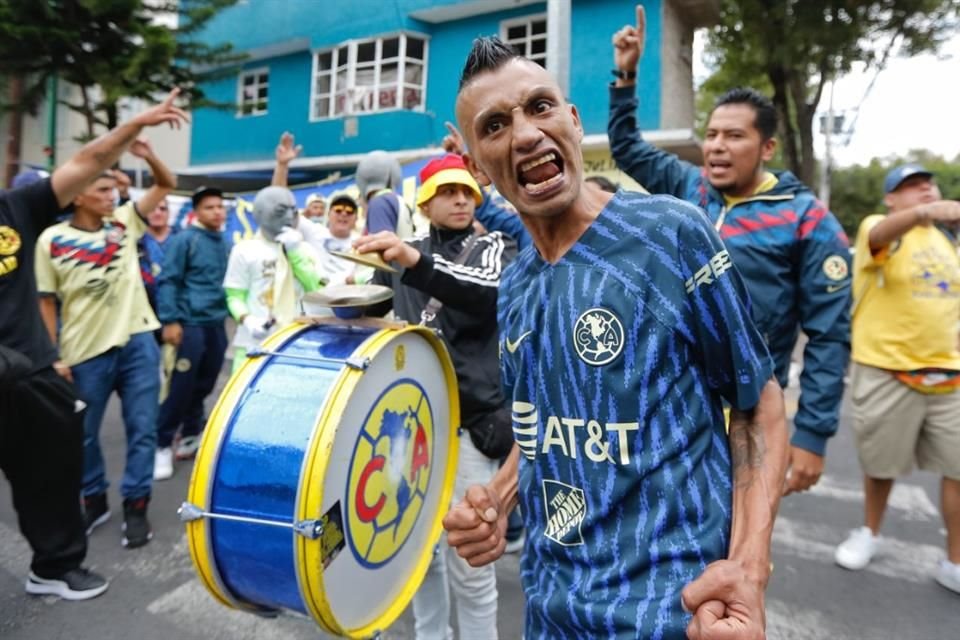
x=620 y=74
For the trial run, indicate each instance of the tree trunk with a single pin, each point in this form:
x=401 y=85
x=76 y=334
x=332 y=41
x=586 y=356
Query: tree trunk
x=781 y=100
x=88 y=114
x=806 y=169
x=110 y=108
x=14 y=129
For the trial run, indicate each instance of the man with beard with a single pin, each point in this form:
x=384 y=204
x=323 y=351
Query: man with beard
x=791 y=251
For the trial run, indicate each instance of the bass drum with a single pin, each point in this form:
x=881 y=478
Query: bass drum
x=324 y=472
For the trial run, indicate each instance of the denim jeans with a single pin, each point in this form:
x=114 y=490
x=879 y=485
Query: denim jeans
x=475 y=589
x=199 y=359
x=133 y=371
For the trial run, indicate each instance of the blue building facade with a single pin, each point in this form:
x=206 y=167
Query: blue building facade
x=350 y=77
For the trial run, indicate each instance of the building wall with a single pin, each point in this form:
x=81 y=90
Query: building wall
x=222 y=137
x=676 y=69
x=593 y=23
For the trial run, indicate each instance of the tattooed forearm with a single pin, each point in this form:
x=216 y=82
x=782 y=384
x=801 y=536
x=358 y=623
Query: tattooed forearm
x=748 y=448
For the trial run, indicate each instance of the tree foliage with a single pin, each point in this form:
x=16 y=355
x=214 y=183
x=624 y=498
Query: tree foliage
x=857 y=191
x=798 y=45
x=111 y=49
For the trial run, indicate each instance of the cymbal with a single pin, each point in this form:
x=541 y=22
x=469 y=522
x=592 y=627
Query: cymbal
x=372 y=259
x=349 y=295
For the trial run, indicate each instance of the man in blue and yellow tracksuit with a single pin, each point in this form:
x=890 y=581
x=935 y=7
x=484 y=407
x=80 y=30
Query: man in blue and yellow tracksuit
x=192 y=307
x=790 y=250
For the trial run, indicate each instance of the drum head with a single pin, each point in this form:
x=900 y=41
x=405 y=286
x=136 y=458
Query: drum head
x=379 y=476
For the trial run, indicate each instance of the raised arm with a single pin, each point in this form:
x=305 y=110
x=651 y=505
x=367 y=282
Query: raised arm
x=897 y=224
x=163 y=179
x=655 y=169
x=285 y=153
x=98 y=155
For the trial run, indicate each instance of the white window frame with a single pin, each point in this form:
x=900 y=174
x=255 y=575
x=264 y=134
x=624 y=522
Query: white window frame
x=256 y=73
x=352 y=47
x=524 y=44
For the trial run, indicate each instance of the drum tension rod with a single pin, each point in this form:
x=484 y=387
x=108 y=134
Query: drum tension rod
x=361 y=364
x=311 y=529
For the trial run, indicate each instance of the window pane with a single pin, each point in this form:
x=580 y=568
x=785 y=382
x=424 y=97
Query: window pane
x=538 y=47
x=413 y=73
x=340 y=104
x=538 y=26
x=261 y=107
x=343 y=57
x=387 y=98
x=412 y=97
x=247 y=80
x=391 y=48
x=321 y=108
x=341 y=80
x=246 y=108
x=517 y=32
x=415 y=48
x=364 y=77
x=323 y=84
x=262 y=94
x=367 y=52
x=324 y=60
x=262 y=78
x=389 y=73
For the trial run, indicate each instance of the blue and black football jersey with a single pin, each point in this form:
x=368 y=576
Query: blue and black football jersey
x=616 y=359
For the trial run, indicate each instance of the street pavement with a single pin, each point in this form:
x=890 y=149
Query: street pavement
x=154 y=594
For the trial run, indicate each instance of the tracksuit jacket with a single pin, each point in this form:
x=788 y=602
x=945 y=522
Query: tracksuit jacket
x=790 y=250
x=468 y=318
x=190 y=287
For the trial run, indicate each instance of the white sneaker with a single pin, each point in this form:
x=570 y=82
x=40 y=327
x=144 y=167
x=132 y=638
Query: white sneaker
x=857 y=550
x=187 y=447
x=948 y=575
x=163 y=464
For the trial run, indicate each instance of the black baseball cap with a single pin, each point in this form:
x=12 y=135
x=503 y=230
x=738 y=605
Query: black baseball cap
x=203 y=192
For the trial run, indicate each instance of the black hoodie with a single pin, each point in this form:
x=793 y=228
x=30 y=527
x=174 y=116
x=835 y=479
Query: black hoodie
x=468 y=318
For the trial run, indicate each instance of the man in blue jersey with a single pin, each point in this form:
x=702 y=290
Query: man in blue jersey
x=622 y=329
x=791 y=251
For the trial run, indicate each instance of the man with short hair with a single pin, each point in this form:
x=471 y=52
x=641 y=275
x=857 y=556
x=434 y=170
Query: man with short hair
x=616 y=357
x=191 y=307
x=41 y=417
x=459 y=270
x=337 y=234
x=905 y=378
x=106 y=341
x=791 y=251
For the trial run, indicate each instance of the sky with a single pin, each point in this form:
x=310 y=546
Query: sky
x=914 y=104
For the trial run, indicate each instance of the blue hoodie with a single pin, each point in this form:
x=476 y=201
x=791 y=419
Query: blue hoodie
x=190 y=287
x=790 y=250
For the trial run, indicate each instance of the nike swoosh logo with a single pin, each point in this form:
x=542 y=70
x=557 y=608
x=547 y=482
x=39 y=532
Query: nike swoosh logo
x=833 y=288
x=513 y=346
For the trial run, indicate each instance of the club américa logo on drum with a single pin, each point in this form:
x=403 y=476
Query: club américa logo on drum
x=390 y=473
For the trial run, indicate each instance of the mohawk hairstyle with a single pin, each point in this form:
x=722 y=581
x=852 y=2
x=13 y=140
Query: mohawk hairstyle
x=487 y=54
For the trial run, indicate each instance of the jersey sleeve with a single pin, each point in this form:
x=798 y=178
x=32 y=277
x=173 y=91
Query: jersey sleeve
x=37 y=203
x=47 y=281
x=716 y=310
x=127 y=215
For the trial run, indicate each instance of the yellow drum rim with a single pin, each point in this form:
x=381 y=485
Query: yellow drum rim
x=199 y=539
x=310 y=499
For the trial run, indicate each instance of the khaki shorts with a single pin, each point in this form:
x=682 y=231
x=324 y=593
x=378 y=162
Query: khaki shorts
x=895 y=426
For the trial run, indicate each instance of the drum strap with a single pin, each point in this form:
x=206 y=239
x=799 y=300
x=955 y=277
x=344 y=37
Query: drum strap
x=433 y=305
